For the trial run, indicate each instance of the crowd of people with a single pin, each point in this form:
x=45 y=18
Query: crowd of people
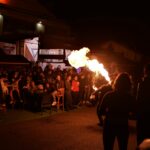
x=27 y=86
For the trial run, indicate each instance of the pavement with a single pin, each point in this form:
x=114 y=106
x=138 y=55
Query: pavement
x=73 y=130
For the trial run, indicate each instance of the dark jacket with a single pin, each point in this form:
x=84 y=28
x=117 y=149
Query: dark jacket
x=116 y=107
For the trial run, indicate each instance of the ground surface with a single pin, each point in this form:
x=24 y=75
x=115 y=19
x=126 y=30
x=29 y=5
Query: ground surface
x=73 y=130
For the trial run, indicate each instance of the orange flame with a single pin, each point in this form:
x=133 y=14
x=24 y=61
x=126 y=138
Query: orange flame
x=4 y=1
x=78 y=59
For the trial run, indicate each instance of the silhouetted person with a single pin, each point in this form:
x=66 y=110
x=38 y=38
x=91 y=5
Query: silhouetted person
x=143 y=109
x=103 y=90
x=116 y=107
x=82 y=85
x=68 y=96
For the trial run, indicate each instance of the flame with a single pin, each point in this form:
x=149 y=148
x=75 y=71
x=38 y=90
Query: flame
x=95 y=88
x=78 y=59
x=96 y=67
x=4 y=1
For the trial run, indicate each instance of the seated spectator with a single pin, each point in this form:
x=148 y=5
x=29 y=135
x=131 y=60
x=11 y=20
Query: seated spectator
x=59 y=86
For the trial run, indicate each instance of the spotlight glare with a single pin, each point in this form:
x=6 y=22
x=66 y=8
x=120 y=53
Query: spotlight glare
x=40 y=27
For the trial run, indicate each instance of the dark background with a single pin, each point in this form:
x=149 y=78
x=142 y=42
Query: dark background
x=93 y=21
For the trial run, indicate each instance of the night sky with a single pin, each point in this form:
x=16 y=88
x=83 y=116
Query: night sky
x=98 y=21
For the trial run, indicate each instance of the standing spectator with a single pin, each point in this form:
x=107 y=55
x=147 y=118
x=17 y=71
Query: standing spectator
x=88 y=88
x=82 y=81
x=4 y=91
x=116 y=107
x=15 y=93
x=68 y=96
x=143 y=109
x=37 y=68
x=75 y=90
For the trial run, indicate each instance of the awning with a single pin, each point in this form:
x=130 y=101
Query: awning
x=13 y=60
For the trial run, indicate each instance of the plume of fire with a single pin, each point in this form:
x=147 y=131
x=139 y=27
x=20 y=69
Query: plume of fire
x=78 y=59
